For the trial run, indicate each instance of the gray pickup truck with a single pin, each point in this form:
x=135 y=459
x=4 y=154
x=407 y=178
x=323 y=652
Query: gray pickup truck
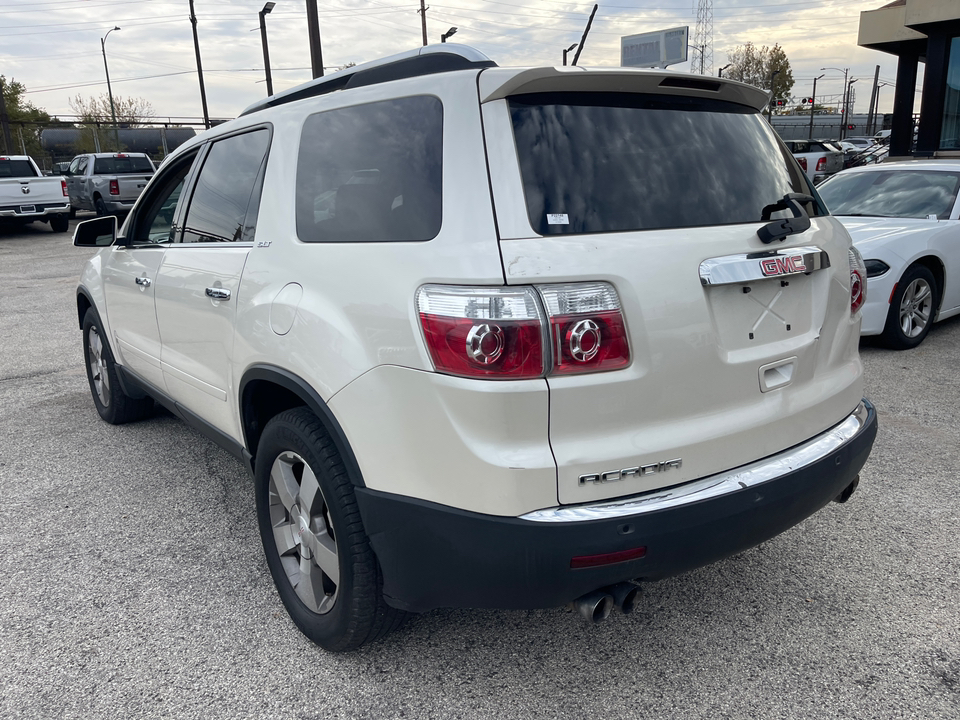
x=108 y=183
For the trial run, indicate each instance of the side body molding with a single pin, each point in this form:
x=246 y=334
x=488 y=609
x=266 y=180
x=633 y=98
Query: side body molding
x=299 y=387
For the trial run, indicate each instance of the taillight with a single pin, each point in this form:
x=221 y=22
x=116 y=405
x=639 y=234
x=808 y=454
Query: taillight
x=803 y=163
x=63 y=186
x=858 y=280
x=114 y=187
x=821 y=165
x=503 y=333
x=587 y=331
x=483 y=332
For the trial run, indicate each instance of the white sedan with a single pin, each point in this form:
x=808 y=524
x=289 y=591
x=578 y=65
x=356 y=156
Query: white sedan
x=903 y=218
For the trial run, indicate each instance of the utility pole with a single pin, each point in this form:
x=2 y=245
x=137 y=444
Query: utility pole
x=423 y=21
x=5 y=122
x=584 y=38
x=813 y=102
x=313 y=30
x=846 y=109
x=196 y=47
x=871 y=118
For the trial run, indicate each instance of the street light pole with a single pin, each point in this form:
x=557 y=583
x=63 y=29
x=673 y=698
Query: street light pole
x=448 y=33
x=267 y=9
x=813 y=102
x=773 y=76
x=720 y=71
x=113 y=109
x=843 y=115
x=566 y=51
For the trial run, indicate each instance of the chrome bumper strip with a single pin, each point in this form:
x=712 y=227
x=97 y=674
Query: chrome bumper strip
x=716 y=485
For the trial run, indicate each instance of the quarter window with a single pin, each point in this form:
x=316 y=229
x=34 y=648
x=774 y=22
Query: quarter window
x=227 y=183
x=372 y=172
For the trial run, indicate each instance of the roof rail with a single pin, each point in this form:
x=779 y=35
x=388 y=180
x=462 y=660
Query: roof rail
x=427 y=60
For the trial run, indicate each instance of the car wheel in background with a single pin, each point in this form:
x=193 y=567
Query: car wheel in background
x=101 y=207
x=59 y=224
x=322 y=564
x=73 y=213
x=113 y=404
x=912 y=309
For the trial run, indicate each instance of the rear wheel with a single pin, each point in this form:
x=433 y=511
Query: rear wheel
x=100 y=206
x=912 y=309
x=114 y=406
x=318 y=553
x=59 y=224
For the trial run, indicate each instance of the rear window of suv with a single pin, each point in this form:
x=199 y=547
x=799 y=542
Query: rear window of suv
x=121 y=165
x=372 y=172
x=614 y=162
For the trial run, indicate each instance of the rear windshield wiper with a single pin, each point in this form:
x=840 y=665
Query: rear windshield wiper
x=779 y=229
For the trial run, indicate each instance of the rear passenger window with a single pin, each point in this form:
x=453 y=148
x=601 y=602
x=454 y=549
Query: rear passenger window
x=371 y=173
x=227 y=184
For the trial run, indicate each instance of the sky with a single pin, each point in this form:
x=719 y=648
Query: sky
x=53 y=46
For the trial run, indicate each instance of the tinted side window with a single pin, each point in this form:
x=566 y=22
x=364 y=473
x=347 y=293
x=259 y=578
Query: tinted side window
x=372 y=173
x=154 y=222
x=228 y=178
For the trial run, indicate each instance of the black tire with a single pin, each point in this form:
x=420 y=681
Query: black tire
x=73 y=213
x=100 y=206
x=340 y=614
x=59 y=224
x=912 y=309
x=114 y=406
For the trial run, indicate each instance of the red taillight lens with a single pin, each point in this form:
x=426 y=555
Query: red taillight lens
x=821 y=165
x=587 y=330
x=858 y=280
x=114 y=187
x=483 y=332
x=63 y=186
x=803 y=163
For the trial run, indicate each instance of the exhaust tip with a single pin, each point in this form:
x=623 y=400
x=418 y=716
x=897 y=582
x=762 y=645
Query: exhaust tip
x=595 y=606
x=625 y=596
x=848 y=491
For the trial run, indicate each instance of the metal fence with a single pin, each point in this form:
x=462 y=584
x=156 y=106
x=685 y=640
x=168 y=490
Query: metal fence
x=828 y=126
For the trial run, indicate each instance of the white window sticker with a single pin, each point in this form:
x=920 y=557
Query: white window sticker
x=558 y=219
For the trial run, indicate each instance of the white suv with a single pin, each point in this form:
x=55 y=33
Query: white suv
x=491 y=337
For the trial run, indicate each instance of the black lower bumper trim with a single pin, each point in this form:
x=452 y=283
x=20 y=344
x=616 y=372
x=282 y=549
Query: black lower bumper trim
x=436 y=556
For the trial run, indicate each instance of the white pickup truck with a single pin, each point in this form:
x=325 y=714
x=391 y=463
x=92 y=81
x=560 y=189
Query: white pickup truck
x=108 y=183
x=26 y=195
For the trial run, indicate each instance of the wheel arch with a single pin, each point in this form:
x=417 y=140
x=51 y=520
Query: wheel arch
x=267 y=390
x=84 y=303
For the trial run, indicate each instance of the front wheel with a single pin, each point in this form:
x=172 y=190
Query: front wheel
x=912 y=309
x=113 y=405
x=323 y=566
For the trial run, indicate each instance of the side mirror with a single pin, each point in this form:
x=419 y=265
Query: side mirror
x=99 y=232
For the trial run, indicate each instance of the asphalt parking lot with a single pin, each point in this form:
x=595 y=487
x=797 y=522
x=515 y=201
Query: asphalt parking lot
x=134 y=585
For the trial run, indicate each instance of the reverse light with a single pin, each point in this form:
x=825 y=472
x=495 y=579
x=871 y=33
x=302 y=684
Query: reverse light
x=63 y=187
x=858 y=280
x=483 y=332
x=114 y=187
x=587 y=330
x=821 y=165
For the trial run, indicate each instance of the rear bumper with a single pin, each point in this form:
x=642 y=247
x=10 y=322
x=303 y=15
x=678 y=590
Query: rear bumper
x=40 y=212
x=118 y=206
x=436 y=556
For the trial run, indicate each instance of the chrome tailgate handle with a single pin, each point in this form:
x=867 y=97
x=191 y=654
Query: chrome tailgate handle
x=733 y=269
x=218 y=293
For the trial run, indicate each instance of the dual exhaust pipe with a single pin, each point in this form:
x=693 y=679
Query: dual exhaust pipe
x=597 y=605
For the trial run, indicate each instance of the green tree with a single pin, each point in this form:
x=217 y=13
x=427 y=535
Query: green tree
x=26 y=120
x=96 y=116
x=757 y=66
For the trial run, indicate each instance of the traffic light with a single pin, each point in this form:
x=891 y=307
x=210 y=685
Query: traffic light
x=851 y=127
x=779 y=103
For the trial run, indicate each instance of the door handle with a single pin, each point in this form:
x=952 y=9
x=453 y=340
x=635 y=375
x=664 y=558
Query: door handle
x=218 y=293
x=143 y=281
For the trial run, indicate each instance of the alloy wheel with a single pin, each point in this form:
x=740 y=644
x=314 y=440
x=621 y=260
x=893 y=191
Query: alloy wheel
x=304 y=536
x=98 y=367
x=915 y=307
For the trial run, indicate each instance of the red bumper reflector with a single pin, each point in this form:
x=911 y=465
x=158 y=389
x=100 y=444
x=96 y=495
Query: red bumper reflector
x=585 y=561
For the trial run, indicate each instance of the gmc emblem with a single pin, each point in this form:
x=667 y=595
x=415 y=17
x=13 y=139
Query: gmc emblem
x=782 y=265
